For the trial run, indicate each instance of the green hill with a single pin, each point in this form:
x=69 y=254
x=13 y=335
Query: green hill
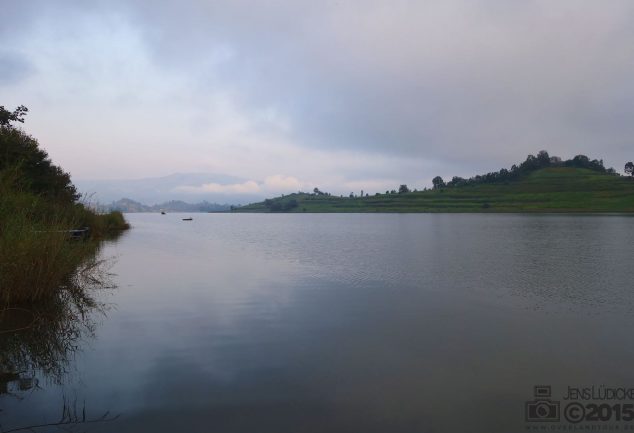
x=551 y=189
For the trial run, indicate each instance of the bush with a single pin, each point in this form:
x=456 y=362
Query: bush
x=38 y=174
x=38 y=208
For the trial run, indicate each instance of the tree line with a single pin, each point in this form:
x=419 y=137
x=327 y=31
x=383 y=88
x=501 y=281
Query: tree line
x=532 y=163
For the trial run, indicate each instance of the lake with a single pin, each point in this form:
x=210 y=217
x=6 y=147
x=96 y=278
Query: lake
x=345 y=323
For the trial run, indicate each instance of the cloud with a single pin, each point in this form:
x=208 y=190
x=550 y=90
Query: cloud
x=248 y=187
x=272 y=185
x=452 y=80
x=279 y=182
x=337 y=94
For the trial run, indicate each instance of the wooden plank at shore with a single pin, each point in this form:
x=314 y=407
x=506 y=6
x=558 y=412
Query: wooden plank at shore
x=74 y=233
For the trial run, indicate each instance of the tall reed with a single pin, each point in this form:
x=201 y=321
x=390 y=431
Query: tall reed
x=37 y=253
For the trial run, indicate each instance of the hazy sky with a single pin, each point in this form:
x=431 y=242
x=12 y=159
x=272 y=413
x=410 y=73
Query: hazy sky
x=343 y=95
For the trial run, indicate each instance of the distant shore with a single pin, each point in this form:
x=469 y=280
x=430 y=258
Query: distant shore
x=547 y=190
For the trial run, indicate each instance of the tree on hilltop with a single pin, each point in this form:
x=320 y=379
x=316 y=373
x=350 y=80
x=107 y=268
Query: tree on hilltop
x=17 y=115
x=438 y=182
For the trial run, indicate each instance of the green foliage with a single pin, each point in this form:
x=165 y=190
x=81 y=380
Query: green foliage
x=531 y=164
x=539 y=184
x=38 y=208
x=284 y=204
x=438 y=182
x=403 y=189
x=17 y=115
x=36 y=173
x=551 y=189
x=629 y=168
x=290 y=205
x=37 y=254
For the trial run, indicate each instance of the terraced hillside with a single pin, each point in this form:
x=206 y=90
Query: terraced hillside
x=552 y=189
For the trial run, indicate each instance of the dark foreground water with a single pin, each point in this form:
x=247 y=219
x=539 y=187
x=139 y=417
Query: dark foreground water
x=345 y=323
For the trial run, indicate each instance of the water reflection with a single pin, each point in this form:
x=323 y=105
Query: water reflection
x=39 y=344
x=345 y=323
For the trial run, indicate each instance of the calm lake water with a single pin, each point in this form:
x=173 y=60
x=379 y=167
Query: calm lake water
x=346 y=323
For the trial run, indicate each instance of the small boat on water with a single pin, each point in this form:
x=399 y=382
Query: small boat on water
x=162 y=212
x=187 y=219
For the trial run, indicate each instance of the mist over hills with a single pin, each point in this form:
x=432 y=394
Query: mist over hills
x=128 y=205
x=178 y=187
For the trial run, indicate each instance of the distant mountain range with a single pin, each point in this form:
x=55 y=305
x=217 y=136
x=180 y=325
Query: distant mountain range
x=128 y=205
x=183 y=187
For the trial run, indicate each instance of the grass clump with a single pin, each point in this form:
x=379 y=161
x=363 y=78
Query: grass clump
x=37 y=253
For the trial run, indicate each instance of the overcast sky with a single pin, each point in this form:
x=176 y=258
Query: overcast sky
x=343 y=95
